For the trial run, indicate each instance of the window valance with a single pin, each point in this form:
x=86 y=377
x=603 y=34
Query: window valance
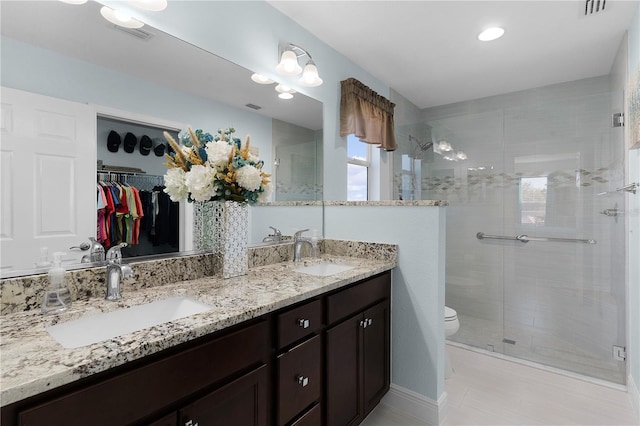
x=367 y=115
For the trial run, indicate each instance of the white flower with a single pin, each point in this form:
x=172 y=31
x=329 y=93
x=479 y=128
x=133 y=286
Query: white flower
x=264 y=196
x=201 y=182
x=218 y=154
x=175 y=185
x=249 y=178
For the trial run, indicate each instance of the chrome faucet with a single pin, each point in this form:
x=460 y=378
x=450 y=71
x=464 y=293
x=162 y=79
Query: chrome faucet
x=276 y=237
x=96 y=251
x=298 y=242
x=116 y=272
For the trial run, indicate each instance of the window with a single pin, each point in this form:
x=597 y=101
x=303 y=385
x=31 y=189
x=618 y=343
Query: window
x=533 y=200
x=358 y=169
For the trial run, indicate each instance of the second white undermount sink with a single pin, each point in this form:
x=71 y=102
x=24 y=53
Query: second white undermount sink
x=323 y=269
x=98 y=328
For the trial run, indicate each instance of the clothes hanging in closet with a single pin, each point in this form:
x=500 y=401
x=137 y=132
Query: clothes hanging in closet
x=125 y=213
x=119 y=213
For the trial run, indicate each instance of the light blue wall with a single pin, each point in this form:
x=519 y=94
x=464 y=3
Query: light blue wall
x=42 y=71
x=418 y=285
x=248 y=33
x=634 y=219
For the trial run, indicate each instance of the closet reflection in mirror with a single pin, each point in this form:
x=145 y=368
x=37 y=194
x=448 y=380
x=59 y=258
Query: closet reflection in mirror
x=107 y=69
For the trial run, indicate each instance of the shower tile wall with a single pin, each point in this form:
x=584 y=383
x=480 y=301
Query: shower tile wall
x=562 y=303
x=297 y=167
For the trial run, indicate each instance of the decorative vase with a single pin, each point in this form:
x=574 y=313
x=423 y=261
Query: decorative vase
x=222 y=228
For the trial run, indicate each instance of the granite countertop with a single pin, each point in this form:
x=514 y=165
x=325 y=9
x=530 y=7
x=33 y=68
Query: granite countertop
x=32 y=362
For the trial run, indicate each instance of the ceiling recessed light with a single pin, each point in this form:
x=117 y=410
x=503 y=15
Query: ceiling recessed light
x=74 y=1
x=491 y=34
x=285 y=96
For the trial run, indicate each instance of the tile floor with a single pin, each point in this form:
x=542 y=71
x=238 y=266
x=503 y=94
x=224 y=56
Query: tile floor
x=491 y=391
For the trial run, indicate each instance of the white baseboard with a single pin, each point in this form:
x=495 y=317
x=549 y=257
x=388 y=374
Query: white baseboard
x=415 y=405
x=634 y=394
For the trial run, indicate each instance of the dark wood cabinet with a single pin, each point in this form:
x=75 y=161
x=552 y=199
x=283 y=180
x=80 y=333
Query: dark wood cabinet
x=322 y=361
x=358 y=354
x=299 y=379
x=243 y=402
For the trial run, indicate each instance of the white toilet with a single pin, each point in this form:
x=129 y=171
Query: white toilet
x=451 y=326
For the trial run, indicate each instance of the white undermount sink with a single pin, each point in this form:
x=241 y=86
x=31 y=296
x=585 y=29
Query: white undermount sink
x=98 y=328
x=323 y=269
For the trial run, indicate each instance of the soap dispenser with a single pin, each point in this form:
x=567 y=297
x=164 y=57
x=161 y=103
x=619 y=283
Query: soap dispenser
x=57 y=297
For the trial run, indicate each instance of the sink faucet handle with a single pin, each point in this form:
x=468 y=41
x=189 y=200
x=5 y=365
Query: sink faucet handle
x=114 y=255
x=298 y=234
x=276 y=231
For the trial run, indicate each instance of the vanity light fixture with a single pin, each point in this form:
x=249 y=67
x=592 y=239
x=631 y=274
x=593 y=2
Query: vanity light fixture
x=289 y=65
x=491 y=34
x=460 y=155
x=152 y=5
x=119 y=18
x=261 y=79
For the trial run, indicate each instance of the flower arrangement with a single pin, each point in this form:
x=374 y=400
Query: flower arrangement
x=216 y=168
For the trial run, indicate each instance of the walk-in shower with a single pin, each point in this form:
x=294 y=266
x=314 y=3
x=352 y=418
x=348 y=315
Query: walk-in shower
x=535 y=265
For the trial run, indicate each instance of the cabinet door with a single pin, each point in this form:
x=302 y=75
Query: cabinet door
x=243 y=402
x=375 y=355
x=344 y=373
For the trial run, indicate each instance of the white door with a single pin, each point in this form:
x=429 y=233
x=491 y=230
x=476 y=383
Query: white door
x=47 y=178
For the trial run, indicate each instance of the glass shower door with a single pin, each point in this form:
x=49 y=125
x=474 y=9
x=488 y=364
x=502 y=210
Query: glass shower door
x=564 y=300
x=537 y=169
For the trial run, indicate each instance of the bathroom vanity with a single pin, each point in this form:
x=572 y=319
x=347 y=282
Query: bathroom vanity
x=277 y=347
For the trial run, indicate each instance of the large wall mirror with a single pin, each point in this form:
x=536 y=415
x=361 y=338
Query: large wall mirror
x=153 y=79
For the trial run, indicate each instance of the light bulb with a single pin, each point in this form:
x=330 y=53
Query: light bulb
x=261 y=79
x=119 y=18
x=444 y=146
x=152 y=5
x=282 y=88
x=310 y=77
x=491 y=34
x=289 y=64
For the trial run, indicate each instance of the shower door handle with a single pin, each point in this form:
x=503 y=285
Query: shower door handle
x=525 y=238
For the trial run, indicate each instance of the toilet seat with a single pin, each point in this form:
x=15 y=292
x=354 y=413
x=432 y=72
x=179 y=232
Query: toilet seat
x=450 y=314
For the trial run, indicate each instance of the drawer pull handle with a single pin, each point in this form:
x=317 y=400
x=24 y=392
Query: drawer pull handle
x=304 y=381
x=304 y=323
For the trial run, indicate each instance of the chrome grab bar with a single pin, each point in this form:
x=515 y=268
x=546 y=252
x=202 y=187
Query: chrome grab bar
x=525 y=238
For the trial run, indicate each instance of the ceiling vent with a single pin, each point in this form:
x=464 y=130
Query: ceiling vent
x=134 y=32
x=253 y=106
x=591 y=7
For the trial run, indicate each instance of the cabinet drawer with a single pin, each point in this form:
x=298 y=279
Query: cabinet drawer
x=299 y=378
x=354 y=299
x=299 y=322
x=312 y=417
x=147 y=389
